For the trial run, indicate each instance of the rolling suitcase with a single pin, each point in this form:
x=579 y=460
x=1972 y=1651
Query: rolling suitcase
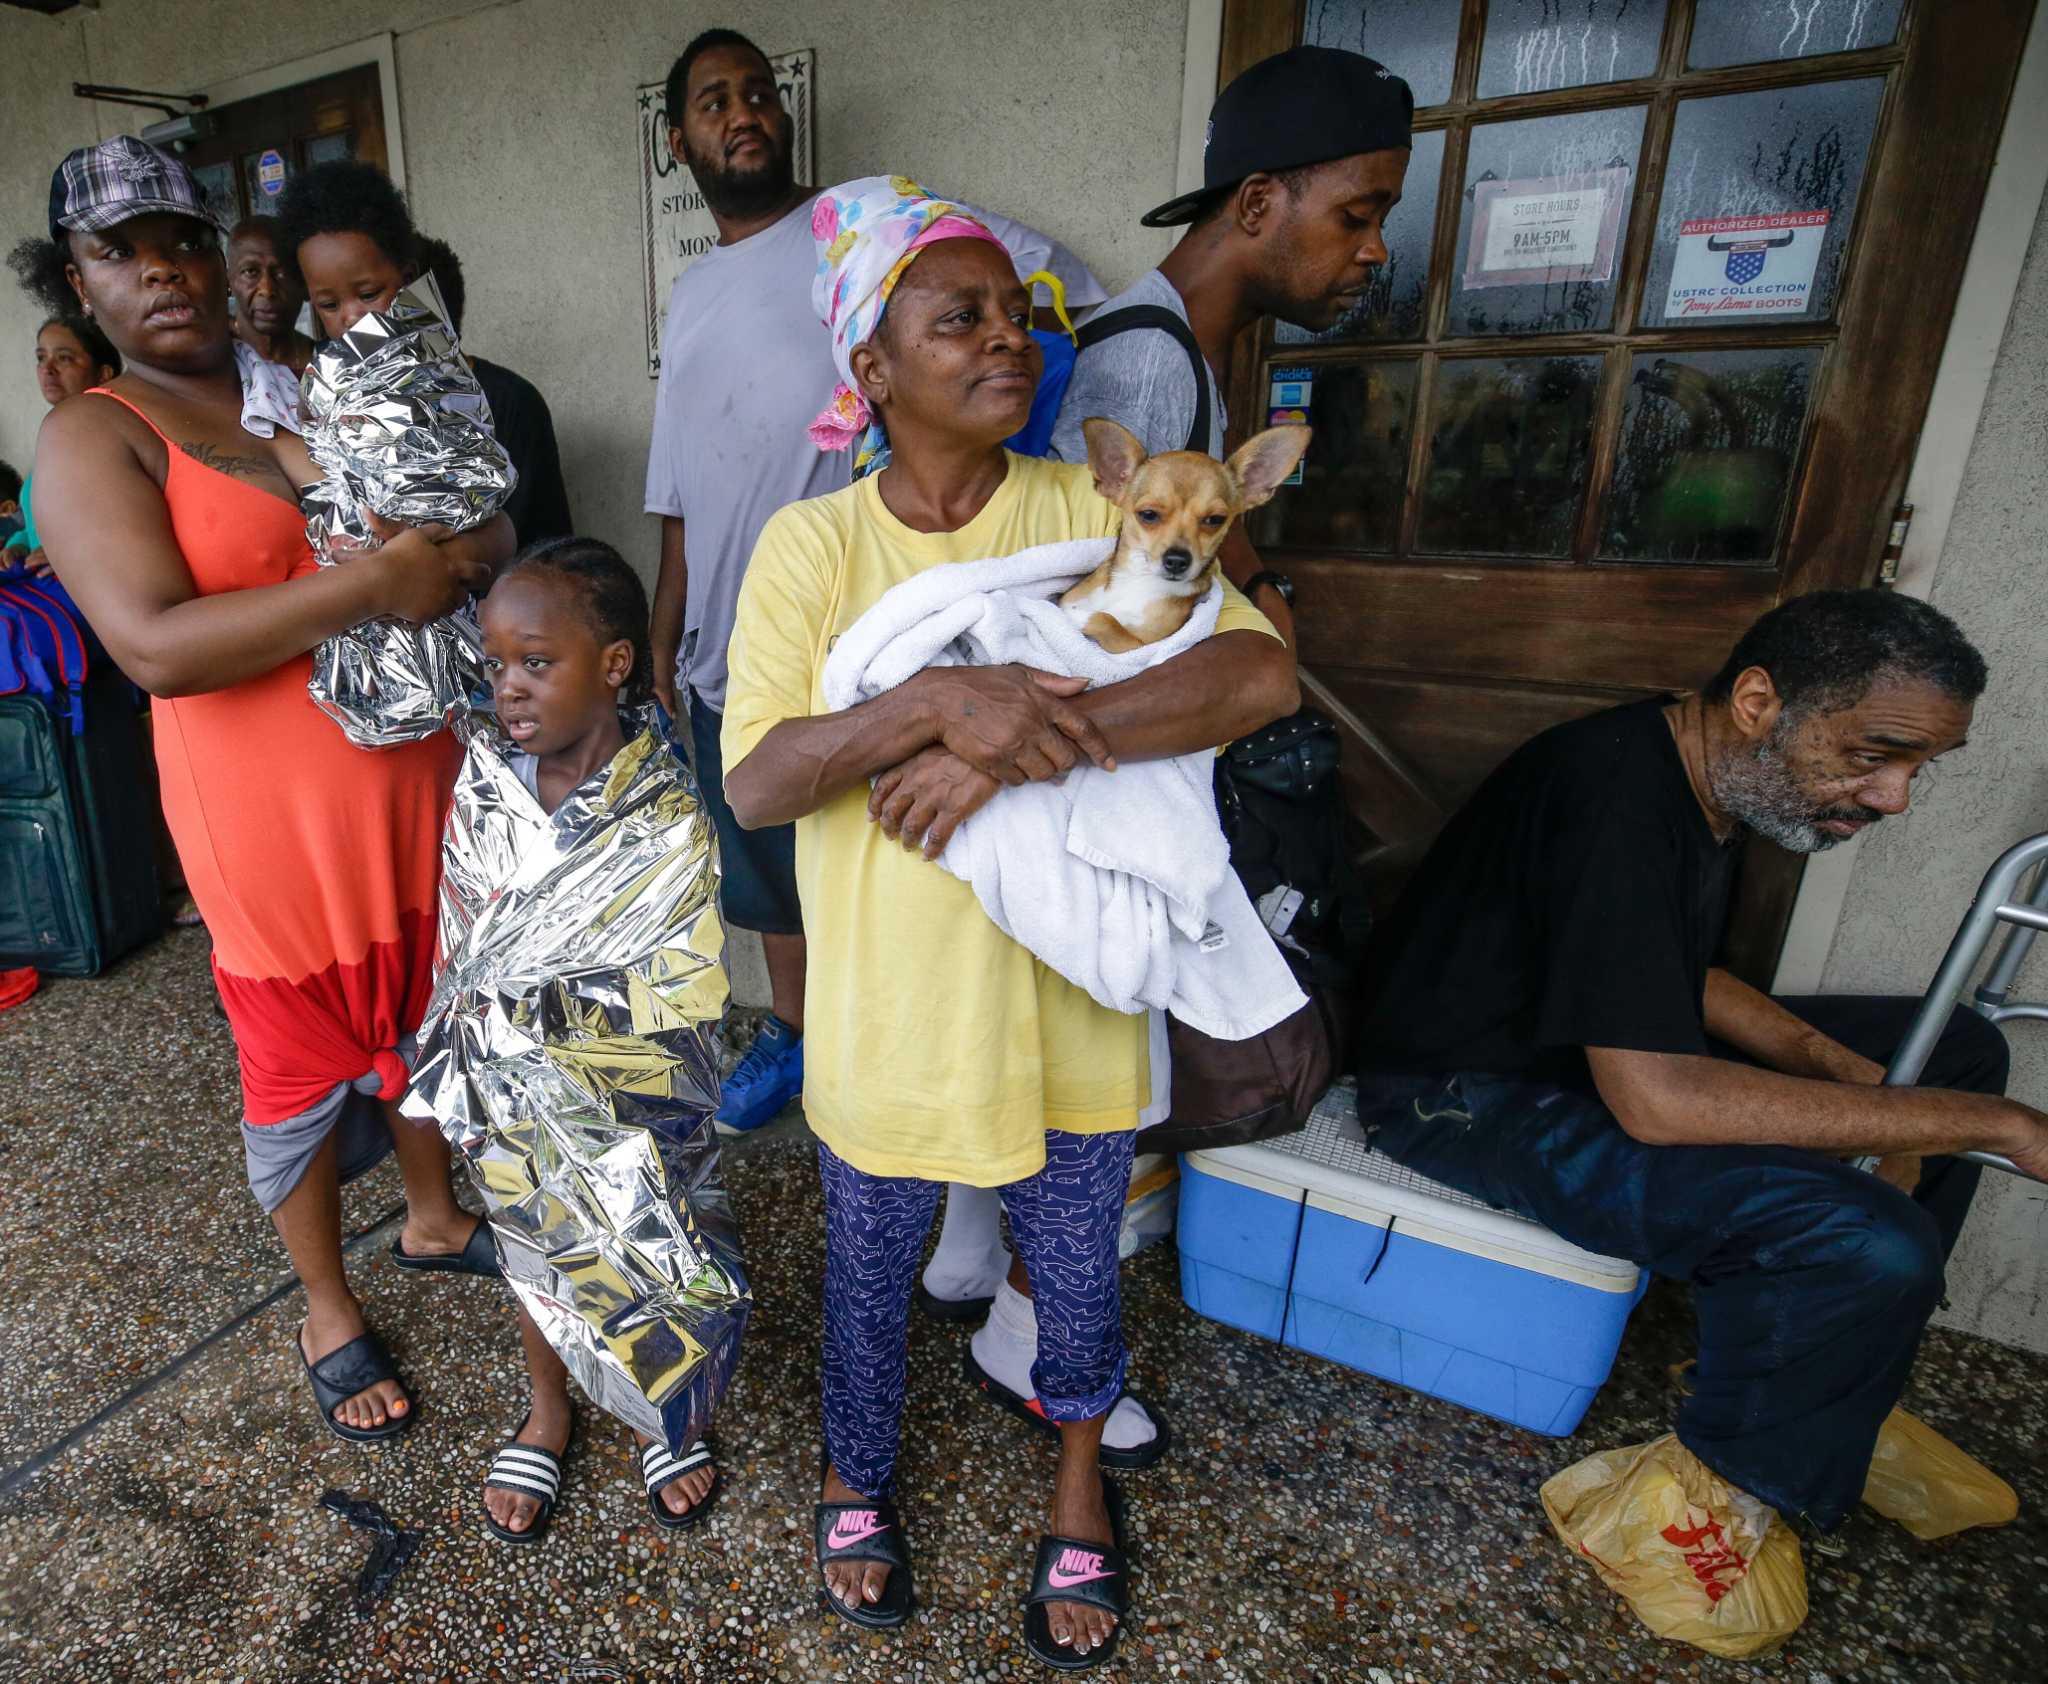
x=78 y=883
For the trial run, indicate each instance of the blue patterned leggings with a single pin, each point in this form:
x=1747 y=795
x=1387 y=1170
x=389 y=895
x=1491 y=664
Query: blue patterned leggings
x=1065 y=1221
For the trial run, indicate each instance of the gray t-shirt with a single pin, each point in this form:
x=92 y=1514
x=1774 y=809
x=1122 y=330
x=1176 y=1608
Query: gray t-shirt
x=745 y=369
x=1142 y=378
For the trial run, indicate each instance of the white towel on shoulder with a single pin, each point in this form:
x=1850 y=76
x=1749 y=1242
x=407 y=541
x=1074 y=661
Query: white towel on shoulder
x=1120 y=881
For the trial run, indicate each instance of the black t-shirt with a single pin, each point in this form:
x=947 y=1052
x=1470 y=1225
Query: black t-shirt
x=539 y=505
x=1576 y=901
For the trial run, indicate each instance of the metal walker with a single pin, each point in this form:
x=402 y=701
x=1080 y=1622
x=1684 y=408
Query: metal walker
x=1998 y=902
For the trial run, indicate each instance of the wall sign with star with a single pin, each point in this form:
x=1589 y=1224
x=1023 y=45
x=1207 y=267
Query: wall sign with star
x=675 y=226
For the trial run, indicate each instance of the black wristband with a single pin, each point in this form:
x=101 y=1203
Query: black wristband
x=1283 y=587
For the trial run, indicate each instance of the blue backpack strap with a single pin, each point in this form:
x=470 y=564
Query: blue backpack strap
x=54 y=633
x=20 y=667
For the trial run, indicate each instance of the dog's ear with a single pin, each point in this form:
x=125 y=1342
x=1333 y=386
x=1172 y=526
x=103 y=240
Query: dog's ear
x=1264 y=460
x=1114 y=454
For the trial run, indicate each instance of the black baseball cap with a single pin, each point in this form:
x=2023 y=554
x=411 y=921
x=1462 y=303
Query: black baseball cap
x=1301 y=107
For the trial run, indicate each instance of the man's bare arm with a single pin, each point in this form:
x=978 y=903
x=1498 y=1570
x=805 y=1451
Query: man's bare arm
x=665 y=620
x=1691 y=1099
x=1753 y=1022
x=1241 y=562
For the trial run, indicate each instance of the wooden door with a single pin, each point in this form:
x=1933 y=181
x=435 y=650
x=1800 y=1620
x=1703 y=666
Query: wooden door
x=1665 y=298
x=259 y=145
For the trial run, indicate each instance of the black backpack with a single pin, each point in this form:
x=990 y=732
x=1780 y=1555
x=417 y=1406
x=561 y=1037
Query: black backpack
x=1282 y=807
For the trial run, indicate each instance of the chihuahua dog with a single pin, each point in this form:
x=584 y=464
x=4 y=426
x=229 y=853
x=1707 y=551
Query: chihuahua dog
x=1177 y=506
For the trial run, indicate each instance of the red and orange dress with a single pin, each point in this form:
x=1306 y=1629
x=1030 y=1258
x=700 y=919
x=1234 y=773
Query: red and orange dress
x=316 y=864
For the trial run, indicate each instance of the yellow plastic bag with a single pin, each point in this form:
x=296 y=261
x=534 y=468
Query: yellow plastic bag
x=1929 y=1486
x=1699 y=1561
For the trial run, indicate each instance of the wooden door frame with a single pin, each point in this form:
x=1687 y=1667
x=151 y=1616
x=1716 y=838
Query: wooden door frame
x=1949 y=87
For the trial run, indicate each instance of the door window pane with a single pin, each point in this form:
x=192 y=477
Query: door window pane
x=1539 y=235
x=1751 y=31
x=329 y=148
x=1708 y=440
x=1533 y=45
x=218 y=182
x=1357 y=464
x=1509 y=441
x=1759 y=193
x=1391 y=307
x=1416 y=39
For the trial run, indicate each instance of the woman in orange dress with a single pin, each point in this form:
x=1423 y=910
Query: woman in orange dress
x=315 y=863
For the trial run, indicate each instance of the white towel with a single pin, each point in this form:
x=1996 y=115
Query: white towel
x=1120 y=881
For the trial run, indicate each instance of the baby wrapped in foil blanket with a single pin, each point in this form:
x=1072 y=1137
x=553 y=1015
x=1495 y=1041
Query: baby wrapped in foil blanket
x=570 y=1056
x=399 y=426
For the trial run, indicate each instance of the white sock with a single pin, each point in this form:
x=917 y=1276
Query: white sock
x=971 y=1259
x=1006 y=1345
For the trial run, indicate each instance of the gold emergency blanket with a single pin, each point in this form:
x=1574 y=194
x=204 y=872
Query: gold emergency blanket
x=570 y=1056
x=396 y=420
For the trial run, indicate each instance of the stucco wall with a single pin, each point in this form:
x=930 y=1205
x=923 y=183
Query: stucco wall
x=1915 y=875
x=520 y=151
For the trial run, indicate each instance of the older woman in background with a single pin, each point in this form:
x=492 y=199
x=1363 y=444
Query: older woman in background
x=268 y=294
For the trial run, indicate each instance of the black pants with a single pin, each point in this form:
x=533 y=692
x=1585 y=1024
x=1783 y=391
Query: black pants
x=1813 y=1280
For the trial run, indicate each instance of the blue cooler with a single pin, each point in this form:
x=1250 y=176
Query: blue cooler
x=1319 y=1243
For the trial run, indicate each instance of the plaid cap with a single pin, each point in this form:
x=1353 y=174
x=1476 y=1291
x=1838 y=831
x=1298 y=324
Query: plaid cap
x=99 y=187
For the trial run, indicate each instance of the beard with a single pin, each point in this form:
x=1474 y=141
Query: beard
x=1758 y=787
x=749 y=191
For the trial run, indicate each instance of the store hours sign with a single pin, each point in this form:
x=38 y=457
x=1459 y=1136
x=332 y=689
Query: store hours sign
x=675 y=225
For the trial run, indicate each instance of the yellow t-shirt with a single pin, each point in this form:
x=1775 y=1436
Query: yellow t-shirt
x=934 y=1045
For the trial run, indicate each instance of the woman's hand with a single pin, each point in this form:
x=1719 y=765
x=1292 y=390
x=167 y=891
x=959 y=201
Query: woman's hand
x=420 y=572
x=927 y=798
x=39 y=564
x=1013 y=723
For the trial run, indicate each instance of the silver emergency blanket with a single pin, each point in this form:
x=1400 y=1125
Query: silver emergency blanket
x=399 y=426
x=570 y=1056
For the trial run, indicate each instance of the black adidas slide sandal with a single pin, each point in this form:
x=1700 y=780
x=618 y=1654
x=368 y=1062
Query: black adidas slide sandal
x=658 y=1469
x=529 y=1470
x=1074 y=1570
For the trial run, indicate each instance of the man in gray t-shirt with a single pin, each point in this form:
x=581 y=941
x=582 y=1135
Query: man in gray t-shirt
x=1306 y=156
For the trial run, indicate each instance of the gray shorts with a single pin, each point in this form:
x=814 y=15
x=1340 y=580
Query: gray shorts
x=278 y=1153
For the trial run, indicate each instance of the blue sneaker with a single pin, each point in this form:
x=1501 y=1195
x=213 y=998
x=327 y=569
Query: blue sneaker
x=767 y=1079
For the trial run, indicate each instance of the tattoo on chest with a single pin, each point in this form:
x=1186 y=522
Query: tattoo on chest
x=230 y=461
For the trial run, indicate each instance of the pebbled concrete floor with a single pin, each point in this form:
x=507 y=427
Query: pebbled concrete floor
x=162 y=1464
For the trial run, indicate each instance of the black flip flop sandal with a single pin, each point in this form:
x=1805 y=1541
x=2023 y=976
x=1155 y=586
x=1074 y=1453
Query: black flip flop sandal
x=1074 y=1570
x=658 y=1469
x=340 y=1374
x=949 y=1309
x=865 y=1531
x=527 y=1470
x=1026 y=1409
x=478 y=1257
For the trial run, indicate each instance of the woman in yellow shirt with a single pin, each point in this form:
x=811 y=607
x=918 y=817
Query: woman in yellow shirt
x=938 y=1049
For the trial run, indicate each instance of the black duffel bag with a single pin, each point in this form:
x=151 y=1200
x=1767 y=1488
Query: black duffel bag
x=1282 y=811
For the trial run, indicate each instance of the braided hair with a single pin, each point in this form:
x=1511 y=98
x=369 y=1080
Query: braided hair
x=610 y=594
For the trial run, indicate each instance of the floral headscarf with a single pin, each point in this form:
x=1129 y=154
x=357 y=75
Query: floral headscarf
x=867 y=232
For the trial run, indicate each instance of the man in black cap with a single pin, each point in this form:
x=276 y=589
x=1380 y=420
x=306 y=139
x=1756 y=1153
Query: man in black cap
x=1305 y=157
x=1306 y=154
